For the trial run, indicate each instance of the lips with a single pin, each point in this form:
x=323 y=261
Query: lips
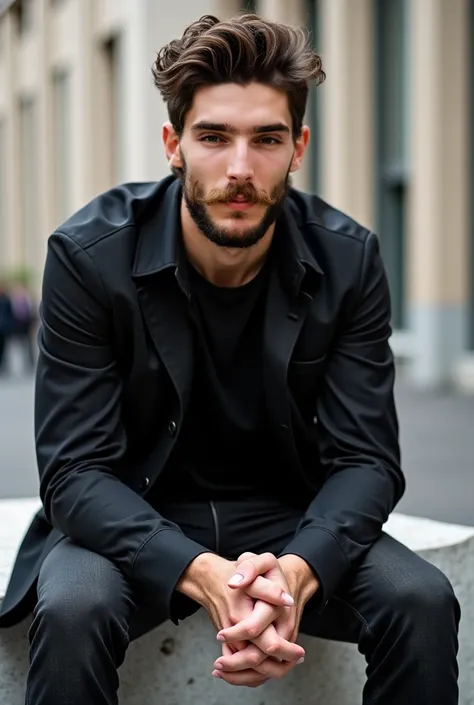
x=239 y=204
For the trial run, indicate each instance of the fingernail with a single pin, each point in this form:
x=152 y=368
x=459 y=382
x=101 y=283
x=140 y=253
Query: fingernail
x=236 y=579
x=219 y=637
x=219 y=666
x=287 y=599
x=301 y=660
x=216 y=674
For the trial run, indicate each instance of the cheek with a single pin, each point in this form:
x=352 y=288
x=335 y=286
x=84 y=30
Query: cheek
x=272 y=165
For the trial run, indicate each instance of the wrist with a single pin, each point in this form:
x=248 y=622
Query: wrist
x=194 y=579
x=301 y=578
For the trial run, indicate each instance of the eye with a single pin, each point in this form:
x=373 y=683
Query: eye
x=269 y=140
x=211 y=139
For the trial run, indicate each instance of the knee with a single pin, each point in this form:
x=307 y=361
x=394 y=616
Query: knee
x=71 y=609
x=425 y=600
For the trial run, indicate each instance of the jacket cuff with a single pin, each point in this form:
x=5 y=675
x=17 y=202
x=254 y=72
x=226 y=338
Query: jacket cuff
x=160 y=563
x=322 y=551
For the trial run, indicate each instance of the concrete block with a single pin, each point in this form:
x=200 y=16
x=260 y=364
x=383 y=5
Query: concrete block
x=172 y=665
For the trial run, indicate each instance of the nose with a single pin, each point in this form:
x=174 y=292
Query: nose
x=240 y=167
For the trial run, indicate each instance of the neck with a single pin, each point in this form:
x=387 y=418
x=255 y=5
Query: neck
x=223 y=266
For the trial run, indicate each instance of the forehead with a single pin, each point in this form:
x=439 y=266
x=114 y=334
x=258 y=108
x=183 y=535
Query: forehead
x=243 y=107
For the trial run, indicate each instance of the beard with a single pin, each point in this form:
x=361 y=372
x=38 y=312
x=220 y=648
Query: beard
x=197 y=204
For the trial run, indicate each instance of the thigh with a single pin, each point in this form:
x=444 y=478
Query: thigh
x=390 y=580
x=81 y=581
x=80 y=587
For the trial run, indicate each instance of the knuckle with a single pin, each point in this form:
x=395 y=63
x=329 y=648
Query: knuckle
x=272 y=649
x=254 y=659
x=253 y=631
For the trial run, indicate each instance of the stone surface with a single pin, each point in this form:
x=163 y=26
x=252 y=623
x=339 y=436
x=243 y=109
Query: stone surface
x=172 y=665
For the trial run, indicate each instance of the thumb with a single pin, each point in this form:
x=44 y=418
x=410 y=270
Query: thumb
x=245 y=573
x=245 y=556
x=250 y=568
x=240 y=577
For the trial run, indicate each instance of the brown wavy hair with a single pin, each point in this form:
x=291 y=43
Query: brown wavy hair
x=240 y=50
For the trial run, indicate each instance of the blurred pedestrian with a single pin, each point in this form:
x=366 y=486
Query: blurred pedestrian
x=24 y=318
x=6 y=323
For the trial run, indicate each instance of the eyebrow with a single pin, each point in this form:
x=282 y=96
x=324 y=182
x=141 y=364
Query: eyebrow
x=230 y=129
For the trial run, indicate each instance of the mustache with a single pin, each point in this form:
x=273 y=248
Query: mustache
x=233 y=191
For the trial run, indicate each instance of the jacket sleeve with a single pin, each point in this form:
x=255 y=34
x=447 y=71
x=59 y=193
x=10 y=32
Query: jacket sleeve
x=80 y=439
x=358 y=437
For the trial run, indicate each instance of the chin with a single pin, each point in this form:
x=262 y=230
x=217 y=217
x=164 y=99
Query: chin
x=239 y=222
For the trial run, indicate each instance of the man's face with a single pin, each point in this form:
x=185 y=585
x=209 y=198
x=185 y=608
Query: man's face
x=235 y=156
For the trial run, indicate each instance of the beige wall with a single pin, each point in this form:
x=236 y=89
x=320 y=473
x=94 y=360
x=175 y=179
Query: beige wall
x=124 y=121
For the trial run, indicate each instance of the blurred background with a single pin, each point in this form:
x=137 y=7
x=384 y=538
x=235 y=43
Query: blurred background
x=392 y=145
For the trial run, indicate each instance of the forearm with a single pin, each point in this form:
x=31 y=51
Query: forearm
x=343 y=521
x=100 y=512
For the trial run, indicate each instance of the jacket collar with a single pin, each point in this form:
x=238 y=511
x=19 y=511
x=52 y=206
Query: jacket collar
x=160 y=246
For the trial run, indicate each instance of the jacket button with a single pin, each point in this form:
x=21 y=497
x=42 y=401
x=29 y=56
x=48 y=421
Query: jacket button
x=145 y=483
x=315 y=420
x=172 y=428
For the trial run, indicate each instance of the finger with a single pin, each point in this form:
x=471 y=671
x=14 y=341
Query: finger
x=248 y=658
x=250 y=678
x=270 y=668
x=229 y=649
x=248 y=570
x=252 y=626
x=245 y=556
x=272 y=644
x=268 y=591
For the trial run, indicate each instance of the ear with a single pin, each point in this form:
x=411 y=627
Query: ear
x=171 y=145
x=301 y=145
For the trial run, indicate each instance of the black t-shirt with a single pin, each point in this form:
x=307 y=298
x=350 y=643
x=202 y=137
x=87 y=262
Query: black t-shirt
x=225 y=447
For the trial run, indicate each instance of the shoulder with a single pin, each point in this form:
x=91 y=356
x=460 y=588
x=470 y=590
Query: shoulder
x=347 y=252
x=328 y=232
x=318 y=218
x=112 y=215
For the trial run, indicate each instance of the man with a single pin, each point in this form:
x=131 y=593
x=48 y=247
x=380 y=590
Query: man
x=23 y=323
x=6 y=323
x=215 y=423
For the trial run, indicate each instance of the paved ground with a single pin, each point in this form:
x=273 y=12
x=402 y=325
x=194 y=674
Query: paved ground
x=437 y=434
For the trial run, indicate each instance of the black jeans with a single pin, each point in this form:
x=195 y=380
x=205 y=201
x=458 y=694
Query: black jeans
x=399 y=609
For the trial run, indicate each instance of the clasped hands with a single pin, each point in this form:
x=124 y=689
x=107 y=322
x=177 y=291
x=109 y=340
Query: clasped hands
x=257 y=614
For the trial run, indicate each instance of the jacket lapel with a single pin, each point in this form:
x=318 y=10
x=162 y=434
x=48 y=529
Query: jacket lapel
x=163 y=294
x=283 y=322
x=166 y=319
x=292 y=284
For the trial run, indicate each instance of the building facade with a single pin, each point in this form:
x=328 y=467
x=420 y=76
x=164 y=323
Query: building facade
x=392 y=136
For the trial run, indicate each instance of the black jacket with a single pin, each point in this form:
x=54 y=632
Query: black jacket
x=114 y=380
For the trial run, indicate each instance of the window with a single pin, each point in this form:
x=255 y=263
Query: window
x=28 y=180
x=115 y=131
x=62 y=145
x=392 y=168
x=24 y=10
